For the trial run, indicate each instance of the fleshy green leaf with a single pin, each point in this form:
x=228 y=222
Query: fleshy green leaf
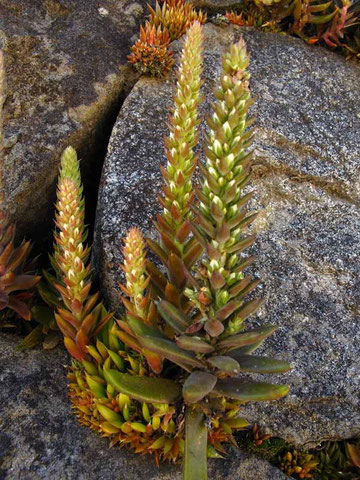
x=195 y=454
x=247 y=338
x=173 y=316
x=140 y=328
x=197 y=386
x=144 y=389
x=168 y=349
x=245 y=391
x=256 y=364
x=34 y=338
x=225 y=364
x=194 y=344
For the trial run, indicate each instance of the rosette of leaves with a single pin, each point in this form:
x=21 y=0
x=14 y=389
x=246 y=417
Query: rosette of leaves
x=203 y=308
x=151 y=54
x=175 y=16
x=16 y=281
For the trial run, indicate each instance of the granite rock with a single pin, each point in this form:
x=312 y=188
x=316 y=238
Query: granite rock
x=41 y=439
x=67 y=73
x=306 y=183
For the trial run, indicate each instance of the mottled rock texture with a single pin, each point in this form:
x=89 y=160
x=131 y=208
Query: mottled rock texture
x=41 y=439
x=306 y=183
x=67 y=74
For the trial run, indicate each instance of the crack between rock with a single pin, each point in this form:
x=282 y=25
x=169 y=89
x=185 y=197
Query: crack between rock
x=262 y=168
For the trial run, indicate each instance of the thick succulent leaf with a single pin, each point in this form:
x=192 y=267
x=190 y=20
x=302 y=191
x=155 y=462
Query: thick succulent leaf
x=23 y=282
x=242 y=244
x=193 y=254
x=34 y=338
x=176 y=270
x=144 y=389
x=246 y=338
x=256 y=364
x=225 y=364
x=249 y=308
x=168 y=349
x=194 y=344
x=320 y=19
x=354 y=454
x=155 y=247
x=19 y=307
x=214 y=327
x=43 y=315
x=227 y=310
x=140 y=329
x=173 y=316
x=195 y=454
x=246 y=350
x=197 y=386
x=319 y=8
x=245 y=391
x=157 y=277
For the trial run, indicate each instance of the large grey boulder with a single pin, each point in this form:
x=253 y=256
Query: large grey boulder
x=67 y=73
x=41 y=439
x=306 y=183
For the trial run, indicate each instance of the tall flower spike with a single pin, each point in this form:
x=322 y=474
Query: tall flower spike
x=176 y=249
x=79 y=319
x=221 y=217
x=134 y=269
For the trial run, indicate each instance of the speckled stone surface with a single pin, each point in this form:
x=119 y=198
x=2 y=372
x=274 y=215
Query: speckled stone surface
x=41 y=439
x=66 y=66
x=306 y=183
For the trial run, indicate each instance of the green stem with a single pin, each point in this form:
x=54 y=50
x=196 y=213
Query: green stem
x=195 y=455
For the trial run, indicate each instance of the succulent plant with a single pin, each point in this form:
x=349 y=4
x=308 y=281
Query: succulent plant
x=333 y=462
x=353 y=452
x=175 y=16
x=165 y=377
x=259 y=436
x=151 y=54
x=342 y=20
x=203 y=309
x=303 y=465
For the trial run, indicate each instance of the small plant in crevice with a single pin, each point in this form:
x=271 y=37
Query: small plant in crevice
x=166 y=378
x=151 y=54
x=332 y=24
x=303 y=465
x=332 y=460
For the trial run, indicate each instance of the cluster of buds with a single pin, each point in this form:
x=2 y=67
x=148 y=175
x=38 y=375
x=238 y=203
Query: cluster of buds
x=81 y=317
x=151 y=54
x=303 y=465
x=175 y=16
x=259 y=436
